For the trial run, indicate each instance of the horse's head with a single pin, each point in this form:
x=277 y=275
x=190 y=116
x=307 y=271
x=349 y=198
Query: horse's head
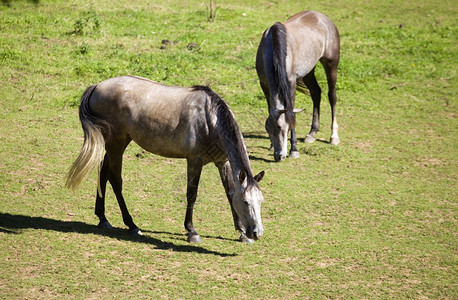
x=277 y=127
x=247 y=204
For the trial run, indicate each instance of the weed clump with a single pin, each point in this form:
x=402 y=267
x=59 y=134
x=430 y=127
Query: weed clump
x=89 y=22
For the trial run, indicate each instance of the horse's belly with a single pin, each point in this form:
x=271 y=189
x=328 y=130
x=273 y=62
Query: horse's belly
x=304 y=67
x=171 y=144
x=305 y=61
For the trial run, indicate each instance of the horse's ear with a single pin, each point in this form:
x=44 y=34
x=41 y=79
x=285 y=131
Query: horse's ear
x=259 y=177
x=242 y=177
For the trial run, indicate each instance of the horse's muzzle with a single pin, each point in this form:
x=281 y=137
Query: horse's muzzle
x=279 y=157
x=255 y=234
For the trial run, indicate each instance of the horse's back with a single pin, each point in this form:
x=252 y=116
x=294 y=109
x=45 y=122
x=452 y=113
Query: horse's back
x=165 y=120
x=311 y=20
x=311 y=36
x=126 y=94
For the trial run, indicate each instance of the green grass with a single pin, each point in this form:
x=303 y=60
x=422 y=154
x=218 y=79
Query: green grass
x=374 y=217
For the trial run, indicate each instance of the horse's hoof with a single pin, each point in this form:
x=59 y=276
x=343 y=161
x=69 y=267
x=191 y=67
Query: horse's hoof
x=294 y=154
x=105 y=225
x=244 y=239
x=309 y=139
x=135 y=232
x=334 y=141
x=194 y=238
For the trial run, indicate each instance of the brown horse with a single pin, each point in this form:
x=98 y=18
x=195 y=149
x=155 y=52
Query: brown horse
x=192 y=123
x=286 y=60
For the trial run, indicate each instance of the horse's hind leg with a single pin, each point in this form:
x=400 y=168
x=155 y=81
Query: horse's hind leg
x=330 y=67
x=315 y=92
x=115 y=150
x=100 y=198
x=194 y=171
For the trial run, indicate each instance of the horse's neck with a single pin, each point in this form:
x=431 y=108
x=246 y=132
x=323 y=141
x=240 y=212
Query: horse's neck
x=234 y=145
x=238 y=164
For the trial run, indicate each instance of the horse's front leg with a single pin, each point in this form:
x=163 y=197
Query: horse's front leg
x=194 y=171
x=266 y=91
x=225 y=171
x=293 y=153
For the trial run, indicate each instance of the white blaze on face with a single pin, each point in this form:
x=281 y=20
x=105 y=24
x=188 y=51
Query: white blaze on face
x=284 y=142
x=283 y=134
x=278 y=129
x=255 y=197
x=248 y=207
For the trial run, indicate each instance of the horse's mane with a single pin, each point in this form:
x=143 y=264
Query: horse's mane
x=279 y=48
x=228 y=129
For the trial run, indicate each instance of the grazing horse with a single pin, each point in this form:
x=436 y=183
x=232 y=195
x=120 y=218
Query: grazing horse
x=193 y=123
x=286 y=60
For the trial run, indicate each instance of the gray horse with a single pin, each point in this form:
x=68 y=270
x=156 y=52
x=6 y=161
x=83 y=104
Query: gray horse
x=192 y=123
x=286 y=60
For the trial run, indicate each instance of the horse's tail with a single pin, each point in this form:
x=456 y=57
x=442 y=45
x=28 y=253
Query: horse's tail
x=280 y=74
x=91 y=153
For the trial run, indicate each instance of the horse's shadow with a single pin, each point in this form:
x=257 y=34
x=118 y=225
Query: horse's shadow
x=252 y=157
x=255 y=135
x=261 y=136
x=179 y=236
x=13 y=224
x=258 y=136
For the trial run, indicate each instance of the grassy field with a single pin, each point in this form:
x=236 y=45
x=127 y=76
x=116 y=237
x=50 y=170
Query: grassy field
x=375 y=217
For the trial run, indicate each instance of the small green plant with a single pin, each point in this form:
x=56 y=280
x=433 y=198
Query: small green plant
x=83 y=48
x=89 y=22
